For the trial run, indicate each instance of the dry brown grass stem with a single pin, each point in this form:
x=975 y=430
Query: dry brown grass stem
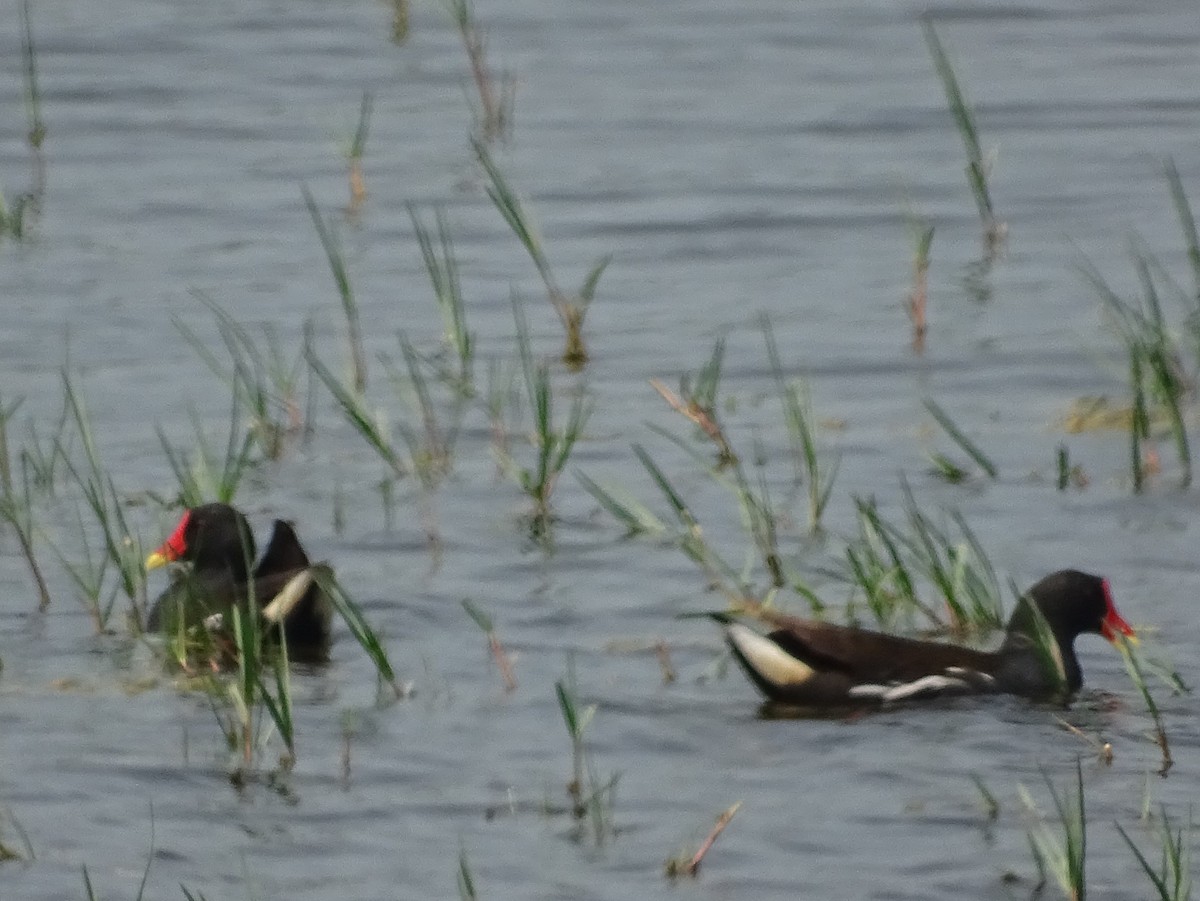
x=1103 y=748
x=690 y=867
x=503 y=663
x=703 y=417
x=916 y=304
x=358 y=188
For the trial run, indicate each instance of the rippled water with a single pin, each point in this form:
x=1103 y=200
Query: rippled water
x=734 y=160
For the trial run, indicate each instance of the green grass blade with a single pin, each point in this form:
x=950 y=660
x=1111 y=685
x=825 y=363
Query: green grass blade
x=511 y=208
x=631 y=513
x=968 y=447
x=356 y=622
x=341 y=277
x=964 y=120
x=355 y=411
x=481 y=619
x=588 y=290
x=1187 y=223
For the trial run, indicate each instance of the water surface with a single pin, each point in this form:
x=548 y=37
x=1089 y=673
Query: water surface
x=763 y=159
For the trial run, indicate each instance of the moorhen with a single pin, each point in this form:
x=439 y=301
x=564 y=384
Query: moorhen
x=216 y=541
x=807 y=663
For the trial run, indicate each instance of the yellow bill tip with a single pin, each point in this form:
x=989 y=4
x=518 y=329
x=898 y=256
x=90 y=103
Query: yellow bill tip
x=157 y=559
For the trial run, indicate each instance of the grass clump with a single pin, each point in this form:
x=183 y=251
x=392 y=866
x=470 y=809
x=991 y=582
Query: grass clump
x=441 y=264
x=202 y=474
x=367 y=638
x=553 y=442
x=430 y=449
x=494 y=115
x=36 y=136
x=798 y=416
x=1158 y=382
x=15 y=216
x=1172 y=878
x=591 y=800
x=1187 y=225
x=8 y=850
x=571 y=309
x=1134 y=667
x=891 y=563
x=697 y=401
x=949 y=470
x=16 y=505
x=978 y=166
x=341 y=277
x=250 y=701
x=262 y=377
x=121 y=545
x=364 y=421
x=1062 y=859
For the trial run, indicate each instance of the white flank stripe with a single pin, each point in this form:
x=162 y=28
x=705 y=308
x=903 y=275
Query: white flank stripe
x=899 y=691
x=768 y=659
x=971 y=675
x=924 y=684
x=289 y=596
x=869 y=691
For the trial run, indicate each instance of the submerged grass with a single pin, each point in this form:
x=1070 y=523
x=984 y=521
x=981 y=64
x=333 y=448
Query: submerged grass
x=89 y=575
x=466 y=882
x=690 y=537
x=1045 y=648
x=36 y=135
x=141 y=891
x=247 y=695
x=15 y=215
x=7 y=850
x=628 y=510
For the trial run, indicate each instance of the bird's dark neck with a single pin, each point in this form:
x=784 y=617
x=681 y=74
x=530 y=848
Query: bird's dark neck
x=224 y=558
x=1038 y=655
